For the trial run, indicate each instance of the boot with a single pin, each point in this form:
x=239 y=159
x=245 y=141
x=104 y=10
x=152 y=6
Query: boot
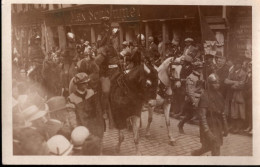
x=198 y=152
x=180 y=126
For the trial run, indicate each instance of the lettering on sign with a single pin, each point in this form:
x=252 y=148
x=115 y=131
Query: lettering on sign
x=94 y=15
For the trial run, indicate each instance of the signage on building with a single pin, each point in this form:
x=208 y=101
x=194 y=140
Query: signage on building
x=241 y=32
x=92 y=15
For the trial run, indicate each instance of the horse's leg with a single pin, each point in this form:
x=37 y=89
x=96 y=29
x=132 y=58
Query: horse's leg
x=136 y=126
x=150 y=119
x=121 y=138
x=166 y=109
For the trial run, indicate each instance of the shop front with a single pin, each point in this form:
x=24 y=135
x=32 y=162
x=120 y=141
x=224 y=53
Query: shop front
x=25 y=26
x=150 y=20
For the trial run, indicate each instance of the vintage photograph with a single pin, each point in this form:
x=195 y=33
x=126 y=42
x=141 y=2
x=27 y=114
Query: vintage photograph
x=131 y=80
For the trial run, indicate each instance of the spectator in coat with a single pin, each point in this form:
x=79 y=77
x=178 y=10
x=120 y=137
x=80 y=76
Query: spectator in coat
x=235 y=101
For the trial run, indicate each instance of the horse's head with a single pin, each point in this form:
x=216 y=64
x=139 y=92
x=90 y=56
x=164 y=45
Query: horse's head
x=150 y=81
x=142 y=80
x=175 y=68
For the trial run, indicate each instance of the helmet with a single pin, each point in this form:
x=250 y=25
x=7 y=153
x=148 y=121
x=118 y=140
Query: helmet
x=115 y=31
x=70 y=36
x=140 y=36
x=81 y=78
x=37 y=37
x=59 y=145
x=79 y=135
x=213 y=78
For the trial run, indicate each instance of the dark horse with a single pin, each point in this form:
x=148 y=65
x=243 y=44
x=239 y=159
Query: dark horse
x=129 y=91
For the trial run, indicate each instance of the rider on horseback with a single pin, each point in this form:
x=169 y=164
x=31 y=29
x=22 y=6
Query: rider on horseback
x=108 y=61
x=36 y=57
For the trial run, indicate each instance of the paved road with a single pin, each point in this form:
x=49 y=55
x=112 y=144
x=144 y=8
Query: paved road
x=157 y=143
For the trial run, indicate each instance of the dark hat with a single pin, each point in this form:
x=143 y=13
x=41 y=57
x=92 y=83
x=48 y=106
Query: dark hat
x=238 y=60
x=208 y=56
x=188 y=58
x=56 y=103
x=197 y=65
x=219 y=54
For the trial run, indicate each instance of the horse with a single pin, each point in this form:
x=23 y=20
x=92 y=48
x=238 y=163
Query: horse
x=169 y=79
x=128 y=92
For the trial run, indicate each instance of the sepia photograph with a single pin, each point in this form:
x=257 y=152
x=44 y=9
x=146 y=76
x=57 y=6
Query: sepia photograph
x=130 y=80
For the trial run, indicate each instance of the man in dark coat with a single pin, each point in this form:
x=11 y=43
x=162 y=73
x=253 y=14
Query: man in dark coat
x=212 y=119
x=222 y=70
x=194 y=88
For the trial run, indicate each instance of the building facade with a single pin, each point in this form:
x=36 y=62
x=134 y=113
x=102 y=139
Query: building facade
x=53 y=21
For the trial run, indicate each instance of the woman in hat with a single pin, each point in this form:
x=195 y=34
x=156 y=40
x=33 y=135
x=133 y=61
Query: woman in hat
x=213 y=123
x=85 y=102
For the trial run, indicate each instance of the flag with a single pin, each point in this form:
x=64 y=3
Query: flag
x=208 y=38
x=206 y=33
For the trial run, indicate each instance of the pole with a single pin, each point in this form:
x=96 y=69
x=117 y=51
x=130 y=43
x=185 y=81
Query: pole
x=203 y=56
x=140 y=25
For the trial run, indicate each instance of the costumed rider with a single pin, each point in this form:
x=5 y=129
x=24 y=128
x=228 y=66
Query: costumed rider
x=125 y=53
x=213 y=122
x=69 y=63
x=108 y=61
x=194 y=88
x=85 y=102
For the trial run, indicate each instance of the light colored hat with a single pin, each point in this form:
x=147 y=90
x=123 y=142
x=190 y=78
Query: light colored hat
x=81 y=78
x=188 y=40
x=86 y=43
x=33 y=113
x=125 y=43
x=79 y=135
x=59 y=145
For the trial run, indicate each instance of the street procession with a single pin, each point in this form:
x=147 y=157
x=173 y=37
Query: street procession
x=142 y=72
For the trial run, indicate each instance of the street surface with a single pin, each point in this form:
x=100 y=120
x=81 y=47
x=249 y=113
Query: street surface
x=157 y=143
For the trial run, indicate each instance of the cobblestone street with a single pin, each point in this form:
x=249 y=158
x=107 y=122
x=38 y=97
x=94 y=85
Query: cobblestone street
x=157 y=143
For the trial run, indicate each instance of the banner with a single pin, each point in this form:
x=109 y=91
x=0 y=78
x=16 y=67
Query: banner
x=208 y=38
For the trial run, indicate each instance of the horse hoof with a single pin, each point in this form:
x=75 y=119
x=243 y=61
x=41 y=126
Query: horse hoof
x=172 y=142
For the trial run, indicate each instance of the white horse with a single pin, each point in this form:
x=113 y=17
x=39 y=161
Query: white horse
x=169 y=79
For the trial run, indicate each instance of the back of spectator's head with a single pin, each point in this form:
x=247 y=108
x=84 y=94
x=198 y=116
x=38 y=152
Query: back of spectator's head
x=92 y=146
